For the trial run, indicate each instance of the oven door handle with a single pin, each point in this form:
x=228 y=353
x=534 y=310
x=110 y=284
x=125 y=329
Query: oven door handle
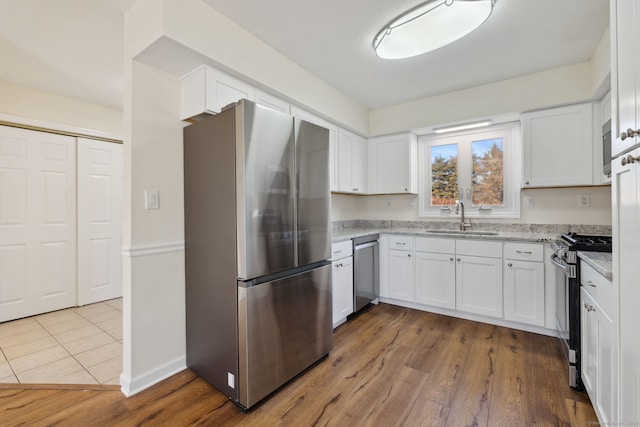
x=559 y=264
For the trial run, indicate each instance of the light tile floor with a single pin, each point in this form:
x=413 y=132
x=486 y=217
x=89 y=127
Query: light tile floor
x=81 y=345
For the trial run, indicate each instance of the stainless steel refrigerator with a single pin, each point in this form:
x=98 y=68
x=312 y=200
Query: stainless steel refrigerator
x=258 y=241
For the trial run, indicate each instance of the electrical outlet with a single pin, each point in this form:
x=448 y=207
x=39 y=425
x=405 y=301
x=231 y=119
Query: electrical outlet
x=388 y=203
x=527 y=202
x=584 y=201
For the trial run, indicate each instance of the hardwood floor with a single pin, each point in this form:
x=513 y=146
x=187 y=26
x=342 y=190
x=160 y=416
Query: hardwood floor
x=389 y=366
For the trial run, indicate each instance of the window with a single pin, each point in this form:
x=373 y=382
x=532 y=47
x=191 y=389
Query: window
x=480 y=168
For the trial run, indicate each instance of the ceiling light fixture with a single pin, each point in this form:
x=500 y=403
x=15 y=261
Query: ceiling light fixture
x=430 y=26
x=463 y=126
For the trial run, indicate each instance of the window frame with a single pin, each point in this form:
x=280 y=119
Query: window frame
x=512 y=152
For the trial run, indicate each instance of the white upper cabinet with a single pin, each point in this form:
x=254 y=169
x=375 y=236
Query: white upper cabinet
x=352 y=162
x=393 y=164
x=558 y=147
x=206 y=90
x=625 y=75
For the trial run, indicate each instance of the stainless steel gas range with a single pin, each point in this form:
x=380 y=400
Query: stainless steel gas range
x=566 y=260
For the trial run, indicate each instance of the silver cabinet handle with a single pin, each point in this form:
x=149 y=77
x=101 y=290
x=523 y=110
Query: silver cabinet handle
x=510 y=265
x=630 y=159
x=337 y=252
x=406 y=189
x=451 y=259
x=526 y=183
x=458 y=259
x=401 y=243
x=524 y=252
x=590 y=283
x=409 y=255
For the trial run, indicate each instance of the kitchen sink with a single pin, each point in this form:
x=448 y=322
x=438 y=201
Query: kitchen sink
x=465 y=232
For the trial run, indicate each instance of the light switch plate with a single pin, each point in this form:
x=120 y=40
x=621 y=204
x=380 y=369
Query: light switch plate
x=151 y=199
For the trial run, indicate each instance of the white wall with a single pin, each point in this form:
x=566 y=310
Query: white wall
x=154 y=305
x=550 y=206
x=29 y=106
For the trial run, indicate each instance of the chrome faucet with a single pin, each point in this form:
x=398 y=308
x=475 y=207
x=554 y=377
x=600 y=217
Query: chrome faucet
x=460 y=206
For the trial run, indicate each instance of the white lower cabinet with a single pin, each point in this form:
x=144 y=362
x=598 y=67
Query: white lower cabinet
x=342 y=281
x=598 y=355
x=436 y=279
x=436 y=272
x=401 y=275
x=524 y=297
x=479 y=285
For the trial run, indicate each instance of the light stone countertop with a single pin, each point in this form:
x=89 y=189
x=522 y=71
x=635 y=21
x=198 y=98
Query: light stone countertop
x=516 y=236
x=600 y=261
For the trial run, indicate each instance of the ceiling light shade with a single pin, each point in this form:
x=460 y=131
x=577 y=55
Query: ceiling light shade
x=430 y=26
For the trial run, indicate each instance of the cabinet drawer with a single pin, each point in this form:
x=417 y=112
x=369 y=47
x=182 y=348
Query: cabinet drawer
x=401 y=242
x=435 y=245
x=524 y=251
x=479 y=248
x=598 y=287
x=341 y=249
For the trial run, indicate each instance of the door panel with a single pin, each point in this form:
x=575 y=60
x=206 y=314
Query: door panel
x=266 y=191
x=100 y=183
x=314 y=201
x=284 y=326
x=37 y=222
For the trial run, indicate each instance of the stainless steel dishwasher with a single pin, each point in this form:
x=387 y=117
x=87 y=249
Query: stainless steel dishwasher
x=366 y=271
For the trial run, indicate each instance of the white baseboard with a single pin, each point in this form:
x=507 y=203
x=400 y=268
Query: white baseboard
x=131 y=386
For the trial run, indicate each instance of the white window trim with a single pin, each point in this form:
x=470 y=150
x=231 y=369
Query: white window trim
x=512 y=172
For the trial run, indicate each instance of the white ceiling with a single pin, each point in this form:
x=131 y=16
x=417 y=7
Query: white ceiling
x=74 y=47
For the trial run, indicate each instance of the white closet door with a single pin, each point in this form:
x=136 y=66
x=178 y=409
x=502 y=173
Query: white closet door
x=37 y=222
x=99 y=221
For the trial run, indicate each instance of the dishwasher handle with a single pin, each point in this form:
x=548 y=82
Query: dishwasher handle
x=366 y=245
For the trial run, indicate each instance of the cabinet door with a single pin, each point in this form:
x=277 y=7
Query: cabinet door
x=625 y=72
x=625 y=193
x=589 y=338
x=401 y=276
x=436 y=279
x=558 y=147
x=207 y=90
x=352 y=152
x=342 y=289
x=524 y=292
x=393 y=164
x=598 y=357
x=359 y=164
x=606 y=384
x=479 y=285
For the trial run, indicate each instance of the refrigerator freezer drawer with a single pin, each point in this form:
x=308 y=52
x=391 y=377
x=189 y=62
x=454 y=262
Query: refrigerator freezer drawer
x=284 y=327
